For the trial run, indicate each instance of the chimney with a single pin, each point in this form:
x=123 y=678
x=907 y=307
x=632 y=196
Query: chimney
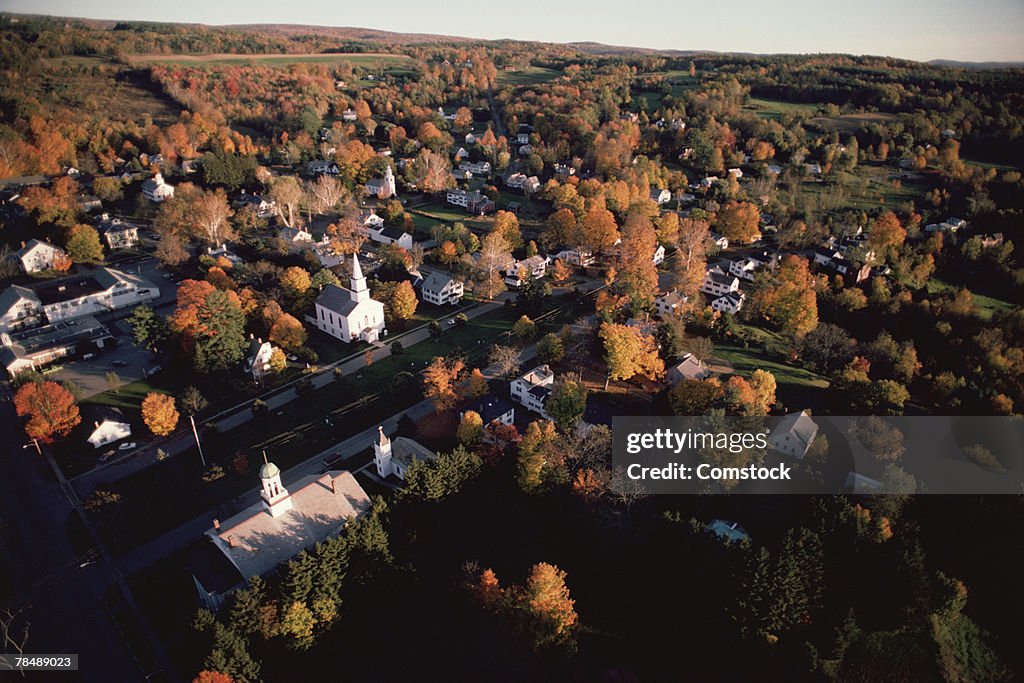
x=97 y=423
x=334 y=487
x=216 y=524
x=251 y=336
x=231 y=541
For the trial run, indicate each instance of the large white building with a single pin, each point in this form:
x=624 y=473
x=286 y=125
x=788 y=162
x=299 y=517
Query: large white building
x=37 y=255
x=156 y=190
x=517 y=272
x=97 y=291
x=533 y=389
x=350 y=314
x=284 y=523
x=384 y=188
x=441 y=288
x=393 y=456
x=717 y=282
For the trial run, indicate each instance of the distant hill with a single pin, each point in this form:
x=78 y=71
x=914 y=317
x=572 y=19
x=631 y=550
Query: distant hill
x=371 y=35
x=976 y=65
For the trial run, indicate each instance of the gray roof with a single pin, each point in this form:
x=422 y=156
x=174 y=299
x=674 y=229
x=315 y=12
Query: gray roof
x=436 y=281
x=13 y=294
x=336 y=299
x=392 y=232
x=406 y=450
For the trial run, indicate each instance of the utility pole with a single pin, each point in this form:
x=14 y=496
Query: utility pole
x=35 y=442
x=192 y=419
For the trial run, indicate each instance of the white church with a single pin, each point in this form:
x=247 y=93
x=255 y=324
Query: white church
x=350 y=314
x=393 y=456
x=282 y=524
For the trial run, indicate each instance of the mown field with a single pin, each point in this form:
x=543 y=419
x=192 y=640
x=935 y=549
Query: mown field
x=528 y=76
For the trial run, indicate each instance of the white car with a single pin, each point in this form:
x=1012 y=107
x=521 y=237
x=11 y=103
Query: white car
x=126 y=446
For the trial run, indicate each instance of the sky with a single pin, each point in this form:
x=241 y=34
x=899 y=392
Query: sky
x=964 y=30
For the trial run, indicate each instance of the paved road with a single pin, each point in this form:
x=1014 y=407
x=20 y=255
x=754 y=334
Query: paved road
x=183 y=439
x=60 y=588
x=336 y=455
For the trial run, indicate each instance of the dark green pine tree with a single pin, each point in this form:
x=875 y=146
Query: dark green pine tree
x=756 y=598
x=230 y=655
x=244 y=616
x=220 y=343
x=299 y=578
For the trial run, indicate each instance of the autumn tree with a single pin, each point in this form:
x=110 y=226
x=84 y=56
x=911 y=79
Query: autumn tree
x=540 y=458
x=210 y=214
x=762 y=383
x=431 y=171
x=442 y=380
x=597 y=232
x=403 y=301
x=159 y=413
x=551 y=611
x=560 y=229
x=507 y=225
x=638 y=276
x=786 y=296
x=738 y=221
x=471 y=428
x=524 y=328
x=560 y=272
x=287 y=332
x=295 y=281
x=477 y=385
x=50 y=409
x=691 y=255
x=83 y=245
x=629 y=352
x=211 y=324
x=887 y=235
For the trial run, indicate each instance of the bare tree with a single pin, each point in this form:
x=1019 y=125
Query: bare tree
x=8 y=266
x=416 y=254
x=325 y=193
x=495 y=255
x=506 y=359
x=587 y=446
x=211 y=213
x=432 y=172
x=14 y=629
x=287 y=195
x=700 y=347
x=691 y=255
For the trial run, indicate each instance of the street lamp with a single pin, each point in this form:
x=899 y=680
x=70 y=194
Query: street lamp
x=195 y=432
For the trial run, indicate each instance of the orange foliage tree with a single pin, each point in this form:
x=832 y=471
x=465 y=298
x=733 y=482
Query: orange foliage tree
x=50 y=409
x=159 y=413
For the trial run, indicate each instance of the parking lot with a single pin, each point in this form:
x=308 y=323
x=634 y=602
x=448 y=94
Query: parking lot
x=126 y=359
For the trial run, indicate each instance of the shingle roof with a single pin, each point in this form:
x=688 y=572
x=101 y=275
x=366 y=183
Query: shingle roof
x=336 y=299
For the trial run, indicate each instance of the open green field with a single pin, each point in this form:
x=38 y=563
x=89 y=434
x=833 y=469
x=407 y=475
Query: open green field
x=850 y=123
x=776 y=109
x=869 y=186
x=533 y=75
x=372 y=60
x=984 y=306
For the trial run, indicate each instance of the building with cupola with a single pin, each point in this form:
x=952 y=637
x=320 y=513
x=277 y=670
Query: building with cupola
x=281 y=524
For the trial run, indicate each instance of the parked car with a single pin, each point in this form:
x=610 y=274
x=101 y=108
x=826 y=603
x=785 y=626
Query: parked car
x=127 y=446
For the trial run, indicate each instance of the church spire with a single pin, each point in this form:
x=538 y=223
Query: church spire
x=358 y=290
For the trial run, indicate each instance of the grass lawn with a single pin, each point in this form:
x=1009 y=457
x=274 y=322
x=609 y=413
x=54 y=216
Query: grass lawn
x=984 y=306
x=776 y=109
x=532 y=75
x=796 y=387
x=128 y=396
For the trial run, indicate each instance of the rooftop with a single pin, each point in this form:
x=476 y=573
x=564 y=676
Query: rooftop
x=256 y=543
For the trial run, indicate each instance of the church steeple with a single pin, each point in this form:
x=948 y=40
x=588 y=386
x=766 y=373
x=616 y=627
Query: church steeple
x=275 y=496
x=358 y=289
